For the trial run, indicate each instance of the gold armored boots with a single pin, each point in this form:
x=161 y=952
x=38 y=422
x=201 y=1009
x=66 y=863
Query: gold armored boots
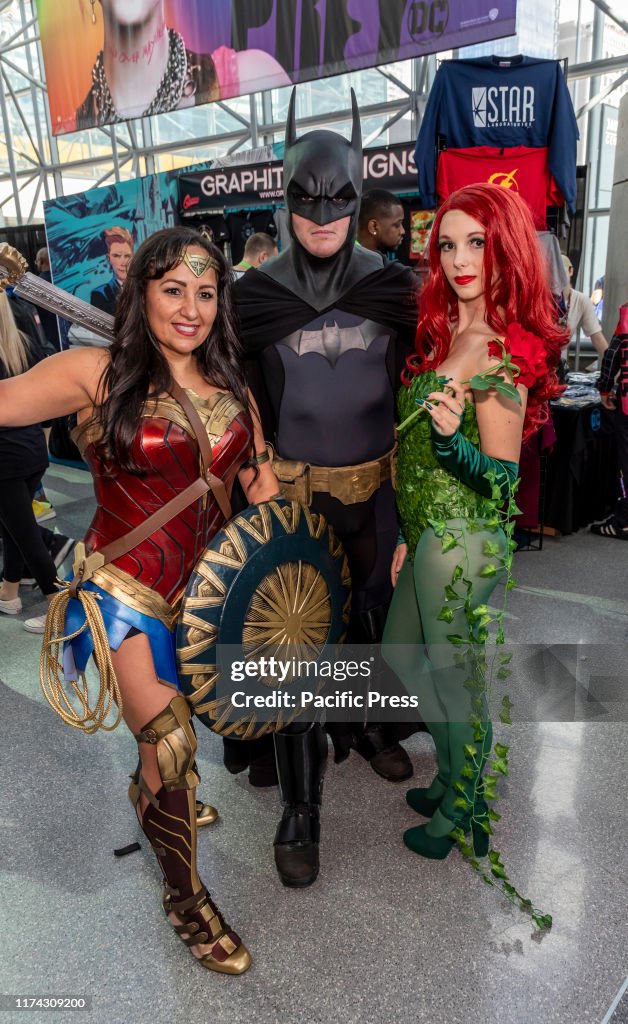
x=170 y=823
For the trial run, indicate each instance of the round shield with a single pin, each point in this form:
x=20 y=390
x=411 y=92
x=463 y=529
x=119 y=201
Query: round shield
x=273 y=581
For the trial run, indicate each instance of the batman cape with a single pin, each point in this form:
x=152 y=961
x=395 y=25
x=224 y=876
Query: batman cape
x=325 y=340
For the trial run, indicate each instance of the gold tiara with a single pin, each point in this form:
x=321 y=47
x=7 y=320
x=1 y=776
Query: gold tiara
x=199 y=264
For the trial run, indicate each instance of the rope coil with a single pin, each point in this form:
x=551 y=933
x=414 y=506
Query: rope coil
x=51 y=672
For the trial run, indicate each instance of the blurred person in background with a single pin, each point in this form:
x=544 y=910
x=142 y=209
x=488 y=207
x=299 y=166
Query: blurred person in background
x=380 y=226
x=581 y=314
x=259 y=248
x=23 y=461
x=613 y=388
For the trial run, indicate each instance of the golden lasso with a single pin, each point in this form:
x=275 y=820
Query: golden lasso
x=51 y=664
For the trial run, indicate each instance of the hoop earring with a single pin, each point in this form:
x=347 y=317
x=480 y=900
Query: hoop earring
x=93 y=3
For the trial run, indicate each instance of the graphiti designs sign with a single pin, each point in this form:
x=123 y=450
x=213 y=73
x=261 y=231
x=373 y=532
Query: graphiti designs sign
x=111 y=60
x=391 y=167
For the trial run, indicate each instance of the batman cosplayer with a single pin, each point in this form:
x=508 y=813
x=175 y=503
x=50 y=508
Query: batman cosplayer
x=326 y=328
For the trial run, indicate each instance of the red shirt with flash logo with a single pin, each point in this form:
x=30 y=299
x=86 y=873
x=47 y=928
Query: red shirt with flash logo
x=522 y=169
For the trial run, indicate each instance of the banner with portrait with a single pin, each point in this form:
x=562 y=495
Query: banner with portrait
x=111 y=60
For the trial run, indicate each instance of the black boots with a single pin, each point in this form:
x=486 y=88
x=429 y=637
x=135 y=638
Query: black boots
x=377 y=742
x=301 y=758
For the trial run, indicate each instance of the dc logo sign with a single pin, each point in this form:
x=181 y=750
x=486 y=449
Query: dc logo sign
x=427 y=17
x=478 y=99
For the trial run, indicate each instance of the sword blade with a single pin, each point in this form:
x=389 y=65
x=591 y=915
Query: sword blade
x=69 y=307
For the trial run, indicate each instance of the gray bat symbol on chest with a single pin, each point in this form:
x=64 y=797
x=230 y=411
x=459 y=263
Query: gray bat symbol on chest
x=332 y=341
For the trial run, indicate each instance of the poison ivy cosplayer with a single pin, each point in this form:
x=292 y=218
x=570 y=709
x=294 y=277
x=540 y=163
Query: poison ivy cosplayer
x=170 y=389
x=486 y=317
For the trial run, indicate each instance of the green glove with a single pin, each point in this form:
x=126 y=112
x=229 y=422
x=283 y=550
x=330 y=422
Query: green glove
x=470 y=465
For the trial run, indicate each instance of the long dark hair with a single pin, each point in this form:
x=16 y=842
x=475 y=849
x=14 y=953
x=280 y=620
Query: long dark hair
x=138 y=370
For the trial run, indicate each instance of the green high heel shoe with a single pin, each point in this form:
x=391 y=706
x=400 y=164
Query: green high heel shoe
x=437 y=847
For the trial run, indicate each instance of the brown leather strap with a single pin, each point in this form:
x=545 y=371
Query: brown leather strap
x=217 y=486
x=204 y=483
x=204 y=445
x=124 y=544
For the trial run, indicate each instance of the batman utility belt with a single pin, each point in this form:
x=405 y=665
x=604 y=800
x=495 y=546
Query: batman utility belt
x=348 y=484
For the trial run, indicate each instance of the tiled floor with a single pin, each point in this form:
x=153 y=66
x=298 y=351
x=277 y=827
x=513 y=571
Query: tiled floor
x=383 y=936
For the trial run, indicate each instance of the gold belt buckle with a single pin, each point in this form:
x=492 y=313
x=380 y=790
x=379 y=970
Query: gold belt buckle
x=85 y=564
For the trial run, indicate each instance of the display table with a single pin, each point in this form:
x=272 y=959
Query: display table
x=582 y=476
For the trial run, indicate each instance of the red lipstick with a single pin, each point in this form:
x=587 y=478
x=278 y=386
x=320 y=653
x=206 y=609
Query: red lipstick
x=465 y=280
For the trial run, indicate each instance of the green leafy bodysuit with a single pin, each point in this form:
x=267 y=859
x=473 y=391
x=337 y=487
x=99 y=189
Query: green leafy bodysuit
x=425 y=490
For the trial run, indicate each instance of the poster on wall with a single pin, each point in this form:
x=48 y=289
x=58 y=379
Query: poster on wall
x=134 y=58
x=93 y=235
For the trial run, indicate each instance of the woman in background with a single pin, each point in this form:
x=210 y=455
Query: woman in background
x=23 y=462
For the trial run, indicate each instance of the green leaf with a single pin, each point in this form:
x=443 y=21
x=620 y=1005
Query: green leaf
x=500 y=638
x=470 y=751
x=449 y=541
x=457 y=834
x=460 y=660
x=500 y=765
x=505 y=718
x=494 y=856
x=461 y=803
x=457 y=574
x=484 y=825
x=473 y=526
x=455 y=638
x=496 y=493
x=501 y=750
x=467 y=772
x=481 y=609
x=493 y=815
x=499 y=871
x=490 y=548
x=488 y=570
x=482 y=635
x=511 y=583
x=445 y=615
x=504 y=673
x=508 y=390
x=492 y=524
x=450 y=593
x=542 y=920
x=479 y=383
x=505 y=657
x=438 y=525
x=507 y=703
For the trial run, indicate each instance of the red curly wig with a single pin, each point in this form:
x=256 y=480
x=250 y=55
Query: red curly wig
x=520 y=294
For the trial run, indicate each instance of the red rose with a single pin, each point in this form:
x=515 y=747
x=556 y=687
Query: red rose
x=527 y=352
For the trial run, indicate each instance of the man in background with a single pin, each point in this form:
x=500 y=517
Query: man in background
x=380 y=226
x=581 y=313
x=259 y=248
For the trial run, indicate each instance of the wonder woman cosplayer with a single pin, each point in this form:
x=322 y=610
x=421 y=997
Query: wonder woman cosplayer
x=168 y=396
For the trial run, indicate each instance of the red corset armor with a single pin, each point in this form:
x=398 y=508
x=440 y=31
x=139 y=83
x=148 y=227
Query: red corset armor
x=169 y=455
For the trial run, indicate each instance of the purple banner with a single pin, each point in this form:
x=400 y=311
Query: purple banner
x=133 y=59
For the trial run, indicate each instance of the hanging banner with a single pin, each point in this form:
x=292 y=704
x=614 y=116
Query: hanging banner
x=390 y=167
x=111 y=60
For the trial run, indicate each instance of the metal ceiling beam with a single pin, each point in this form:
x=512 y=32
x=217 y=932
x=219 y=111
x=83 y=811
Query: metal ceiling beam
x=598 y=67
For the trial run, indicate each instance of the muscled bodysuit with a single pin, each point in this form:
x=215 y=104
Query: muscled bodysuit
x=142 y=590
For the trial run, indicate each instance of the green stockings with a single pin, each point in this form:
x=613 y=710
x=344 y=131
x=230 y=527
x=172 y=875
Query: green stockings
x=431 y=603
